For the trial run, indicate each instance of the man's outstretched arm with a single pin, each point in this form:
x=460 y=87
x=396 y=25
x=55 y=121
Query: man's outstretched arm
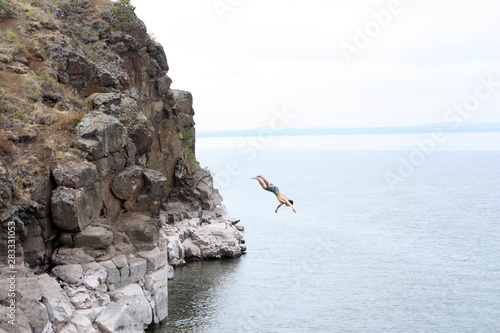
x=278 y=207
x=290 y=204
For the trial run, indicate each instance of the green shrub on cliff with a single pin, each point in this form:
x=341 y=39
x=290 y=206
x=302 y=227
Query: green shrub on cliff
x=5 y=9
x=187 y=138
x=31 y=90
x=122 y=14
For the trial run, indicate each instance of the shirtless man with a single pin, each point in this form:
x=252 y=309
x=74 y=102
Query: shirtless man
x=271 y=188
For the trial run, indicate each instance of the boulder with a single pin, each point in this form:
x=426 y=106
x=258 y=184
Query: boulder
x=159 y=304
x=57 y=303
x=205 y=188
x=22 y=321
x=128 y=314
x=124 y=275
x=120 y=260
x=74 y=174
x=156 y=52
x=175 y=251
x=183 y=101
x=220 y=210
x=82 y=324
x=35 y=312
x=74 y=209
x=71 y=208
x=129 y=113
x=26 y=283
x=100 y=134
x=95 y=274
x=191 y=250
x=74 y=68
x=72 y=274
x=137 y=268
x=140 y=228
x=111 y=164
x=112 y=272
x=155 y=259
x=152 y=194
x=68 y=256
x=128 y=184
x=93 y=192
x=93 y=237
x=111 y=205
x=155 y=184
x=91 y=314
x=164 y=85
x=81 y=300
x=157 y=279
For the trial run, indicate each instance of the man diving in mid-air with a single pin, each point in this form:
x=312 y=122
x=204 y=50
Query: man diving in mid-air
x=272 y=188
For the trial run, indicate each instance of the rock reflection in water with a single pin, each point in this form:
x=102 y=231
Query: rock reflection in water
x=196 y=294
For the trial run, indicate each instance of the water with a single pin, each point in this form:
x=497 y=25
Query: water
x=358 y=256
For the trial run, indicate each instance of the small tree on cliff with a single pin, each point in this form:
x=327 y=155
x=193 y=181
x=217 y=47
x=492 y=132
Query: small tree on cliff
x=123 y=14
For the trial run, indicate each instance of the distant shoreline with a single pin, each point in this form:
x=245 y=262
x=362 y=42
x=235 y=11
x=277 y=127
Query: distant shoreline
x=427 y=128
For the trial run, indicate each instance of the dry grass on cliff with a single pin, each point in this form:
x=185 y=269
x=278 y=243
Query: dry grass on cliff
x=38 y=115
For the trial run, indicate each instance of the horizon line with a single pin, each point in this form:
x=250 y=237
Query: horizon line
x=476 y=127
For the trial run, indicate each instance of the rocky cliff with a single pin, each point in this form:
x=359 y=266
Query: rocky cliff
x=100 y=191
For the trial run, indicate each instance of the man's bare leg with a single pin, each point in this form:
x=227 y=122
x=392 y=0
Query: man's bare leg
x=265 y=180
x=264 y=186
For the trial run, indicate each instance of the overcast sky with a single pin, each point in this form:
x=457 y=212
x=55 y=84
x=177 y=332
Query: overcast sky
x=331 y=63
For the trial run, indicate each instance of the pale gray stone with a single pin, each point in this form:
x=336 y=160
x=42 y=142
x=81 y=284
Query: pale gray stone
x=57 y=303
x=192 y=251
x=95 y=274
x=170 y=274
x=81 y=300
x=157 y=279
x=113 y=273
x=82 y=324
x=124 y=274
x=159 y=304
x=128 y=314
x=119 y=260
x=91 y=313
x=137 y=269
x=155 y=259
x=34 y=311
x=93 y=237
x=72 y=274
x=69 y=328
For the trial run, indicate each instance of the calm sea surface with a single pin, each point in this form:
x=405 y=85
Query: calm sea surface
x=362 y=254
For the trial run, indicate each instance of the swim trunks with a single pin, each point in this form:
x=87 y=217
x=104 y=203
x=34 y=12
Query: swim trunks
x=273 y=189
